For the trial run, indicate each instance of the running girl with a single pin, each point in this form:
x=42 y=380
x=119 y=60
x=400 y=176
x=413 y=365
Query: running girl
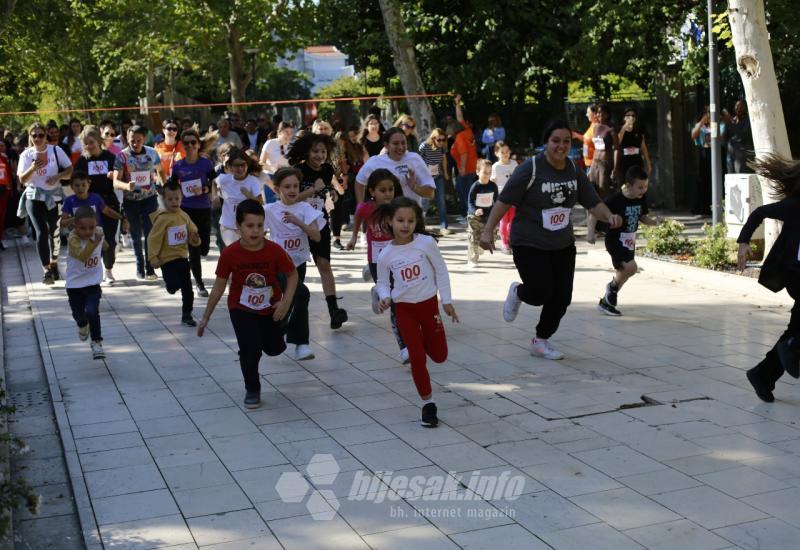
x=631 y=205
x=380 y=188
x=781 y=268
x=501 y=172
x=291 y=224
x=411 y=271
x=256 y=302
x=234 y=187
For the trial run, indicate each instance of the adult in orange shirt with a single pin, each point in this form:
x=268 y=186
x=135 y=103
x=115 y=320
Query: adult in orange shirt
x=465 y=155
x=586 y=138
x=170 y=150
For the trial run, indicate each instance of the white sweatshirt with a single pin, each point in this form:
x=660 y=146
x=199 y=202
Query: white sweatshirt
x=290 y=237
x=417 y=269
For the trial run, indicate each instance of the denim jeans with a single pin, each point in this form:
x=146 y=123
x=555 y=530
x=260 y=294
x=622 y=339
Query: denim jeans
x=85 y=305
x=441 y=200
x=138 y=216
x=463 y=184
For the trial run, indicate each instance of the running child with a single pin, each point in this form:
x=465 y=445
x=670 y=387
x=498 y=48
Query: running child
x=234 y=187
x=291 y=224
x=84 y=275
x=168 y=247
x=781 y=268
x=381 y=186
x=311 y=153
x=481 y=198
x=256 y=302
x=501 y=171
x=79 y=183
x=630 y=203
x=411 y=271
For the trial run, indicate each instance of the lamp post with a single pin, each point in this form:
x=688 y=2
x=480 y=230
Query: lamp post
x=716 y=153
x=253 y=52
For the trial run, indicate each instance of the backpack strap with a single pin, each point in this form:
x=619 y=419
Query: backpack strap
x=533 y=173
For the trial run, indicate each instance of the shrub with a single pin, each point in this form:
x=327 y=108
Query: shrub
x=714 y=250
x=666 y=239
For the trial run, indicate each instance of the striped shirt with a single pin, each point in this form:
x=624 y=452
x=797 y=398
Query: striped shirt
x=431 y=155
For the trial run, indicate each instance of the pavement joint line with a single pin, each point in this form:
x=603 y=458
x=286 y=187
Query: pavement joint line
x=87 y=520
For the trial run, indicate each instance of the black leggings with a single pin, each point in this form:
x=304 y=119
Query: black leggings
x=547 y=277
x=770 y=368
x=342 y=209
x=110 y=226
x=201 y=217
x=45 y=223
x=297 y=327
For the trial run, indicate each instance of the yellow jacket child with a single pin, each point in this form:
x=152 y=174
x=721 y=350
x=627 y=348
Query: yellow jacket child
x=170 y=236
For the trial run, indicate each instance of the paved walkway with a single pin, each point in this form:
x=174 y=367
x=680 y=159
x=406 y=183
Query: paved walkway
x=162 y=454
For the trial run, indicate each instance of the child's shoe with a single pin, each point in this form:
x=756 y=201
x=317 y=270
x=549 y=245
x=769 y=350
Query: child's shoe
x=97 y=350
x=429 y=418
x=83 y=332
x=188 y=320
x=302 y=352
x=252 y=400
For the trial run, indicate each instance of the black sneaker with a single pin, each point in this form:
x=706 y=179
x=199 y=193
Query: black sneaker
x=611 y=295
x=48 y=278
x=761 y=390
x=429 y=418
x=337 y=244
x=338 y=318
x=608 y=309
x=140 y=275
x=54 y=271
x=790 y=361
x=252 y=400
x=201 y=291
x=188 y=320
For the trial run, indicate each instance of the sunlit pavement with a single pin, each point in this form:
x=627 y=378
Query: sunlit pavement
x=646 y=435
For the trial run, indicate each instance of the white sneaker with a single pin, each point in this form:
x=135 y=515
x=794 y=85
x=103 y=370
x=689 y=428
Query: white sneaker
x=366 y=274
x=97 y=350
x=108 y=278
x=512 y=303
x=303 y=352
x=472 y=265
x=404 y=358
x=542 y=348
x=83 y=332
x=376 y=301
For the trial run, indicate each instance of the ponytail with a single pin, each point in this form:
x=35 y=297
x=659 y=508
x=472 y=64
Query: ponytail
x=783 y=175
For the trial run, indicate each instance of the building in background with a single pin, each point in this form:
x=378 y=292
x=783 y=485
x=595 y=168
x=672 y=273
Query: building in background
x=322 y=65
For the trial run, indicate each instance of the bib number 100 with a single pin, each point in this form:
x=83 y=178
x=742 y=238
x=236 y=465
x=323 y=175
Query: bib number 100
x=256 y=299
x=410 y=273
x=92 y=262
x=558 y=218
x=292 y=244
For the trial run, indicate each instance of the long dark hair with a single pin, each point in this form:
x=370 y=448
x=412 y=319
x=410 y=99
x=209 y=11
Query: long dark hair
x=301 y=147
x=385 y=212
x=235 y=153
x=783 y=175
x=365 y=131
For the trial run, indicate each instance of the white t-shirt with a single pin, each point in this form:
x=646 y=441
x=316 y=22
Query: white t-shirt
x=272 y=150
x=39 y=178
x=417 y=269
x=400 y=168
x=231 y=190
x=501 y=172
x=288 y=236
x=88 y=273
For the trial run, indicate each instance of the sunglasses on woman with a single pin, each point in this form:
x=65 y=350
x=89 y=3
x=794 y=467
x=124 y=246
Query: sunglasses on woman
x=37 y=136
x=190 y=142
x=171 y=128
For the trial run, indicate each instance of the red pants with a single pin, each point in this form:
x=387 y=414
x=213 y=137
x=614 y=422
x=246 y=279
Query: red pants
x=422 y=330
x=505 y=226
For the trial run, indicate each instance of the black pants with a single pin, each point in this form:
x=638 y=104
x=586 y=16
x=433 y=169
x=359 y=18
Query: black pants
x=201 y=217
x=85 y=305
x=770 y=368
x=255 y=334
x=45 y=223
x=547 y=277
x=297 y=327
x=176 y=277
x=216 y=214
x=702 y=201
x=342 y=209
x=110 y=226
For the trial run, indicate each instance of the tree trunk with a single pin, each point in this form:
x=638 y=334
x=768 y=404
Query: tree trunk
x=754 y=62
x=149 y=87
x=405 y=63
x=238 y=73
x=664 y=159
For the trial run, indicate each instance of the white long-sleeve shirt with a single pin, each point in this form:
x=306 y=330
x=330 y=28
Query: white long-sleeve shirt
x=417 y=270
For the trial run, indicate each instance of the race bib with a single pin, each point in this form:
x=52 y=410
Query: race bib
x=98 y=168
x=177 y=234
x=433 y=169
x=484 y=200
x=630 y=151
x=317 y=203
x=141 y=179
x=555 y=219
x=256 y=298
x=628 y=240
x=376 y=247
x=190 y=187
x=599 y=144
x=92 y=262
x=296 y=247
x=408 y=272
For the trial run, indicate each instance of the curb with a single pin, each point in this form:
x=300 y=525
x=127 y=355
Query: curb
x=91 y=534
x=7 y=542
x=737 y=285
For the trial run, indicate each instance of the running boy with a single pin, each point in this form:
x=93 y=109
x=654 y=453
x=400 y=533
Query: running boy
x=482 y=196
x=291 y=224
x=411 y=271
x=79 y=182
x=256 y=302
x=84 y=275
x=631 y=204
x=167 y=247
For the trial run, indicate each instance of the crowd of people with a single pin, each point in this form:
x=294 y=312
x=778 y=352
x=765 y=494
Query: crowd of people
x=275 y=197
